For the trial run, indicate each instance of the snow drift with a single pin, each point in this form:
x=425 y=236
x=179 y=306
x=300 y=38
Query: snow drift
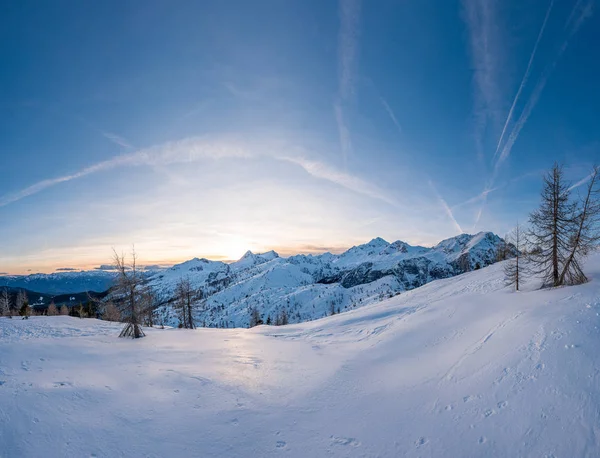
x=460 y=367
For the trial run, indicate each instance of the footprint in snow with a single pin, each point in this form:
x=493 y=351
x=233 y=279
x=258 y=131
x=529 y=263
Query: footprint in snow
x=488 y=413
x=421 y=441
x=280 y=444
x=502 y=405
x=345 y=441
x=482 y=440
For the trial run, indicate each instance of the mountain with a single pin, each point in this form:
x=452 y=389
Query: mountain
x=68 y=282
x=306 y=287
x=61 y=282
x=41 y=301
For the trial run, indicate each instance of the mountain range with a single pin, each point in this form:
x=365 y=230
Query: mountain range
x=306 y=287
x=301 y=287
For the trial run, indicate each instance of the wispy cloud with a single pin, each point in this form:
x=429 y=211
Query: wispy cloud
x=525 y=77
x=582 y=14
x=349 y=11
x=66 y=269
x=344 y=133
x=479 y=197
x=486 y=56
x=391 y=113
x=118 y=140
x=582 y=181
x=578 y=15
x=323 y=171
x=196 y=149
x=446 y=208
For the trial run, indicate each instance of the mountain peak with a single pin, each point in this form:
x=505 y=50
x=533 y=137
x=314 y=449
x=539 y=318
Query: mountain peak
x=378 y=241
x=247 y=254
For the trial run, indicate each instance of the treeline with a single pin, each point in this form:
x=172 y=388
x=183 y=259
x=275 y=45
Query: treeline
x=561 y=233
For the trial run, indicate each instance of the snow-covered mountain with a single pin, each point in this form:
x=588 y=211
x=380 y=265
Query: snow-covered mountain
x=61 y=282
x=306 y=287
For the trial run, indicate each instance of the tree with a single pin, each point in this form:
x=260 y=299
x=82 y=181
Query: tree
x=514 y=268
x=149 y=305
x=25 y=310
x=111 y=312
x=552 y=227
x=64 y=310
x=127 y=289
x=255 y=318
x=5 y=303
x=81 y=311
x=282 y=318
x=21 y=299
x=586 y=237
x=184 y=298
x=502 y=251
x=52 y=310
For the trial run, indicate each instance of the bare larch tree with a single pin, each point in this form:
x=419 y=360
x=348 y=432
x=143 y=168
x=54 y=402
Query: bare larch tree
x=52 y=310
x=127 y=290
x=149 y=304
x=514 y=269
x=586 y=236
x=184 y=299
x=5 y=303
x=551 y=228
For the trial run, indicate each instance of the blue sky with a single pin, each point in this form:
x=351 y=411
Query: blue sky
x=206 y=128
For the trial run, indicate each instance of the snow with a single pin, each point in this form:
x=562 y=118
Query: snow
x=460 y=367
x=363 y=274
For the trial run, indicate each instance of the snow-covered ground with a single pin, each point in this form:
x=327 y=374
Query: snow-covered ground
x=461 y=367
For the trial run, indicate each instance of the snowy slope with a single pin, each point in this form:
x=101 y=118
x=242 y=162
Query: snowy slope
x=309 y=287
x=461 y=367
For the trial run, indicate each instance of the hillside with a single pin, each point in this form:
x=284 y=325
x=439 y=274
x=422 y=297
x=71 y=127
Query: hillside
x=459 y=367
x=308 y=287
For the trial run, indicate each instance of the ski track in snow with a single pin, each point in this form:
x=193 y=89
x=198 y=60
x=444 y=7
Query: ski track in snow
x=459 y=367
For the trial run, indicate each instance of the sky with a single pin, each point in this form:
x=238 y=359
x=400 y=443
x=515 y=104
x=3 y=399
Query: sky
x=208 y=128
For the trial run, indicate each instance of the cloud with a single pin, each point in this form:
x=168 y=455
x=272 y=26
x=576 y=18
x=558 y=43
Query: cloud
x=582 y=181
x=481 y=196
x=118 y=140
x=349 y=11
x=391 y=113
x=105 y=267
x=446 y=208
x=578 y=20
x=323 y=171
x=66 y=269
x=196 y=149
x=481 y=20
x=525 y=77
x=344 y=133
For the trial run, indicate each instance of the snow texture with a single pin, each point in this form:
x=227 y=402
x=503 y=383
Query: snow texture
x=461 y=367
x=310 y=287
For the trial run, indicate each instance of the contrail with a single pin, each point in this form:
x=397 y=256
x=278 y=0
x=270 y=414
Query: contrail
x=391 y=113
x=446 y=208
x=525 y=77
